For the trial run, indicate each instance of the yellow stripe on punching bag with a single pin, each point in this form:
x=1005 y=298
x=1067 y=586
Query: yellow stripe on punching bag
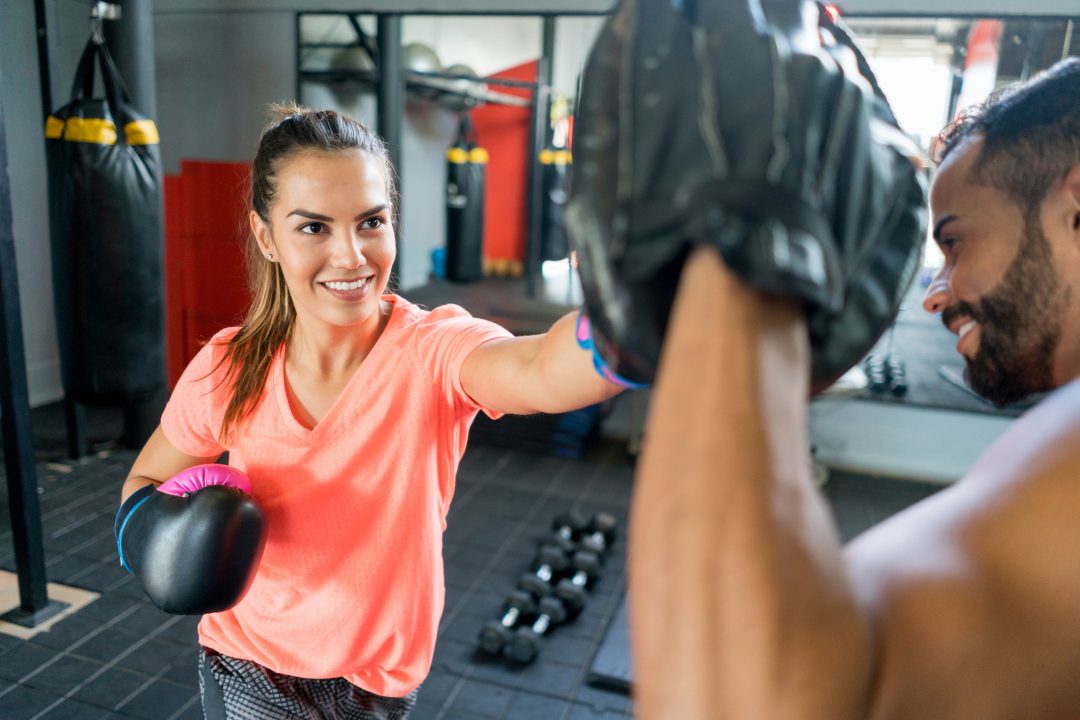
x=141 y=132
x=554 y=157
x=90 y=130
x=478 y=156
x=100 y=132
x=54 y=128
x=457 y=155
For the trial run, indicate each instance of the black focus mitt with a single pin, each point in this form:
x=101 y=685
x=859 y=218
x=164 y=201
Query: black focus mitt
x=707 y=125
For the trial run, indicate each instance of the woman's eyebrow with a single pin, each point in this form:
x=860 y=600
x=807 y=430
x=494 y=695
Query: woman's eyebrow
x=309 y=215
x=372 y=211
x=325 y=218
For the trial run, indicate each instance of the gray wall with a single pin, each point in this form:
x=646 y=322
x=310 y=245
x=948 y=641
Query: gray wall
x=24 y=123
x=26 y=165
x=216 y=73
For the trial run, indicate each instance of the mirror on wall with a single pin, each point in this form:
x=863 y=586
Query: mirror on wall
x=931 y=68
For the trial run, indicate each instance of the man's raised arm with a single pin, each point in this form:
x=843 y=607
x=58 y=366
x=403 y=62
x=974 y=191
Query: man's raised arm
x=739 y=600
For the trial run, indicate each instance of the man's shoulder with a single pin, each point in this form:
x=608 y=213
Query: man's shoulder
x=1052 y=423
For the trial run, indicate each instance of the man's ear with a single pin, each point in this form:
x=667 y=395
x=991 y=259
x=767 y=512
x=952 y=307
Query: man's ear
x=1072 y=190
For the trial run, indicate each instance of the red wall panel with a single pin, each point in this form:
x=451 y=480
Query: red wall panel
x=505 y=131
x=205 y=231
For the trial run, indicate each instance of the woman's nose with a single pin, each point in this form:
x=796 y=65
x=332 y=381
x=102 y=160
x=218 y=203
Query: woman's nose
x=348 y=253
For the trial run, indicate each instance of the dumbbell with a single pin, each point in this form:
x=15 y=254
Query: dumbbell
x=877 y=373
x=566 y=527
x=600 y=533
x=894 y=366
x=550 y=561
x=496 y=633
x=526 y=643
x=560 y=542
x=571 y=590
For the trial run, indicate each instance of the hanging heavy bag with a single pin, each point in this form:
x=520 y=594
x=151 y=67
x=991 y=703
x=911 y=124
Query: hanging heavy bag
x=555 y=163
x=105 y=221
x=466 y=165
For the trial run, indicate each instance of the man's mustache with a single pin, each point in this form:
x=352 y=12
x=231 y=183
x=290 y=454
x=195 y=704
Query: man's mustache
x=949 y=314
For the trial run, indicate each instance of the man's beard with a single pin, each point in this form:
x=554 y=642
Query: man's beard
x=1019 y=324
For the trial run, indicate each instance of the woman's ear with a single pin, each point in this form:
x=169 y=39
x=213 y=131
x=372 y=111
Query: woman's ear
x=261 y=230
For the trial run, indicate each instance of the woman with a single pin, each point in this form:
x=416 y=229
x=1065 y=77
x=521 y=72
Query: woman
x=348 y=409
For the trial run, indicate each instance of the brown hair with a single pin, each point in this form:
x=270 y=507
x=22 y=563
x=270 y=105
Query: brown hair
x=271 y=315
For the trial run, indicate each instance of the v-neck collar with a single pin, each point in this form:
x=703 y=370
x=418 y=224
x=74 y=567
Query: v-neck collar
x=281 y=392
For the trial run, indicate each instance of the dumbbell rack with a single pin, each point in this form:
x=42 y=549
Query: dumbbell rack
x=553 y=592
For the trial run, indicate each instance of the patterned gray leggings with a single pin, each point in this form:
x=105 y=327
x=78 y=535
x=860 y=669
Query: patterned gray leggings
x=233 y=689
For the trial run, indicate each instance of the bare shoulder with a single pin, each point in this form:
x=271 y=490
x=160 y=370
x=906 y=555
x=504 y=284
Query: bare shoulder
x=976 y=591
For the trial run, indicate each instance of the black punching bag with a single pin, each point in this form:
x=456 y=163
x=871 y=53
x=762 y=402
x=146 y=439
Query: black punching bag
x=466 y=165
x=555 y=165
x=105 y=219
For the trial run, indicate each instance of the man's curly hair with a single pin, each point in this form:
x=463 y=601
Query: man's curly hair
x=1031 y=134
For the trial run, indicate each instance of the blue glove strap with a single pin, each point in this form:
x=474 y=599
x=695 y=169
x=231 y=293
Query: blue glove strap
x=583 y=335
x=128 y=508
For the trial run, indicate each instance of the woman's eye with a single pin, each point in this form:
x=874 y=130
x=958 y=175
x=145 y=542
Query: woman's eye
x=312 y=228
x=373 y=223
x=947 y=244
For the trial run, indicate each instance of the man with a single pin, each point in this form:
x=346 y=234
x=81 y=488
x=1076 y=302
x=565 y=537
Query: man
x=967 y=605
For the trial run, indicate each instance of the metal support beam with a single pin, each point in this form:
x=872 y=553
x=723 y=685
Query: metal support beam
x=21 y=473
x=74 y=414
x=363 y=39
x=78 y=442
x=537 y=141
x=391 y=104
x=41 y=17
x=414 y=7
x=1035 y=43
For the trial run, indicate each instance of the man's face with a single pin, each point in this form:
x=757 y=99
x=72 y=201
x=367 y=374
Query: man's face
x=999 y=290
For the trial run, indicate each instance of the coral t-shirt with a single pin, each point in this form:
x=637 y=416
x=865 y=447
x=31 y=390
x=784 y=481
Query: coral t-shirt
x=351 y=580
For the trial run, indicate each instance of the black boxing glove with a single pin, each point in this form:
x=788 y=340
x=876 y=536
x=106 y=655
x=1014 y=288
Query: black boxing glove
x=712 y=127
x=194 y=542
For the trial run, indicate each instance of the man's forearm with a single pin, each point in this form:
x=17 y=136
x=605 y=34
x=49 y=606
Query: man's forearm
x=740 y=607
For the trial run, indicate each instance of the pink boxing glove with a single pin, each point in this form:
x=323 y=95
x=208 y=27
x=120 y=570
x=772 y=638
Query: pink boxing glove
x=194 y=542
x=197 y=477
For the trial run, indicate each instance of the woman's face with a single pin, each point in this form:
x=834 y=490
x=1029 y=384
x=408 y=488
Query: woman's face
x=330 y=231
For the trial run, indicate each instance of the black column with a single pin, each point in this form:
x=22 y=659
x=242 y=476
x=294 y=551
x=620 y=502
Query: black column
x=34 y=605
x=74 y=414
x=391 y=102
x=43 y=18
x=537 y=140
x=131 y=43
x=1035 y=43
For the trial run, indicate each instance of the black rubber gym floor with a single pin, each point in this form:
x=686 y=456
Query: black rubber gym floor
x=119 y=657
